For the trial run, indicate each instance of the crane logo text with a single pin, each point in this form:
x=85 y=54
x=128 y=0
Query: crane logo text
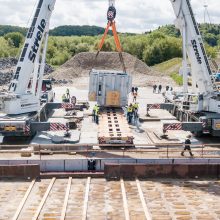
x=195 y=47
x=38 y=37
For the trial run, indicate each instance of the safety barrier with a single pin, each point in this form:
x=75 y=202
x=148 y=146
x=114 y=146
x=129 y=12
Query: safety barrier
x=123 y=150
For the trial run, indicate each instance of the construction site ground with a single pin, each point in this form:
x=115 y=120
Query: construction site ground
x=98 y=199
x=93 y=198
x=145 y=138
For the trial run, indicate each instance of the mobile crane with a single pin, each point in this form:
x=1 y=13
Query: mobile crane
x=21 y=111
x=199 y=111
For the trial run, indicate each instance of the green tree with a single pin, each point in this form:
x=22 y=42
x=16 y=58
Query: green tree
x=16 y=38
x=211 y=39
x=6 y=50
x=107 y=46
x=162 y=49
x=82 y=47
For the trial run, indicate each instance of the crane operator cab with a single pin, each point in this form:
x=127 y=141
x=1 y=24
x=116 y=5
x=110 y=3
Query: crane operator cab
x=193 y=102
x=47 y=94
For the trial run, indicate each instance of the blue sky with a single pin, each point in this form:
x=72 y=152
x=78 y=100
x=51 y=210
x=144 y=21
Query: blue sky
x=133 y=15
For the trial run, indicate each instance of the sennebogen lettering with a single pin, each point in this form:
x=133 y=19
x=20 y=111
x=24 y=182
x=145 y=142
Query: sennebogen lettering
x=195 y=48
x=38 y=37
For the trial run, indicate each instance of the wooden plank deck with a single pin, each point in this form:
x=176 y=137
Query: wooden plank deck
x=113 y=127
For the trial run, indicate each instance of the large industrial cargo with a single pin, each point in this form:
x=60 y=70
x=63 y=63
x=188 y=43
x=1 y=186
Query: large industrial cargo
x=109 y=88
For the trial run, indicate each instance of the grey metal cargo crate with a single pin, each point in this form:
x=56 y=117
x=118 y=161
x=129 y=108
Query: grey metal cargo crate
x=109 y=87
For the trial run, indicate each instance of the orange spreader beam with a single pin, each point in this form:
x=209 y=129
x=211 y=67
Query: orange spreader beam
x=116 y=39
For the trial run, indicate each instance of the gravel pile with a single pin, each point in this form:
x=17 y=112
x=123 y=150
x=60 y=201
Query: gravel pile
x=7 y=68
x=76 y=70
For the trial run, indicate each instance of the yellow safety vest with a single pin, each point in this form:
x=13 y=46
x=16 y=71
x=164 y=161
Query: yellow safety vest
x=96 y=110
x=135 y=106
x=130 y=109
x=195 y=99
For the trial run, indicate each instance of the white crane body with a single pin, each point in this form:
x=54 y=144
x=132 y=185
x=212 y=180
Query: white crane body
x=24 y=92
x=202 y=78
x=23 y=96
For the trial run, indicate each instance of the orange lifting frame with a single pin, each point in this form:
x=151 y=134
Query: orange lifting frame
x=116 y=39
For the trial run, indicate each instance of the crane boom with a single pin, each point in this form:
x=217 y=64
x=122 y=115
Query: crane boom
x=32 y=47
x=201 y=71
x=111 y=3
x=23 y=96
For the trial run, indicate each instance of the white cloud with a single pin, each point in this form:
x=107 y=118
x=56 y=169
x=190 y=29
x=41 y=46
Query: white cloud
x=132 y=15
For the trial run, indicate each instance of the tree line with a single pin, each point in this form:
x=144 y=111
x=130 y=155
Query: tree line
x=151 y=47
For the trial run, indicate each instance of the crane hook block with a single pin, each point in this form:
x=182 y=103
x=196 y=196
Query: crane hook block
x=111 y=14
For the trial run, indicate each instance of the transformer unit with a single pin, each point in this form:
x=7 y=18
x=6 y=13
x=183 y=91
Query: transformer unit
x=109 y=88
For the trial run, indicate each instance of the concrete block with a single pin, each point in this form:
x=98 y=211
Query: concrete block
x=145 y=161
x=18 y=162
x=163 y=161
x=214 y=161
x=73 y=165
x=42 y=164
x=130 y=161
x=4 y=162
x=112 y=171
x=107 y=161
x=203 y=170
x=180 y=171
x=98 y=165
x=129 y=171
x=55 y=165
x=20 y=171
x=191 y=161
x=154 y=161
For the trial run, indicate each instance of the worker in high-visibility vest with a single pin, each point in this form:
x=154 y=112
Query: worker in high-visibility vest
x=94 y=112
x=97 y=114
x=130 y=113
x=135 y=110
x=195 y=99
x=68 y=93
x=134 y=97
x=136 y=106
x=63 y=98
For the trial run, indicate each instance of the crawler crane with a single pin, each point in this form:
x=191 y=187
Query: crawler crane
x=199 y=111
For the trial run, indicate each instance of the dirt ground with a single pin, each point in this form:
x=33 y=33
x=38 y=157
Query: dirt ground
x=76 y=70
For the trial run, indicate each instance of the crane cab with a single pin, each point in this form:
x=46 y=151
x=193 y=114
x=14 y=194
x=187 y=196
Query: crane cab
x=47 y=94
x=192 y=102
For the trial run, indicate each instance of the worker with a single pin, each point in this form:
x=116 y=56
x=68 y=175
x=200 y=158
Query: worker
x=195 y=99
x=159 y=89
x=136 y=106
x=63 y=98
x=130 y=113
x=94 y=113
x=97 y=114
x=135 y=110
x=154 y=88
x=126 y=111
x=68 y=93
x=187 y=146
x=132 y=90
x=134 y=97
x=136 y=89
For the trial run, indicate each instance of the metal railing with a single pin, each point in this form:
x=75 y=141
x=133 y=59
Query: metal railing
x=144 y=151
